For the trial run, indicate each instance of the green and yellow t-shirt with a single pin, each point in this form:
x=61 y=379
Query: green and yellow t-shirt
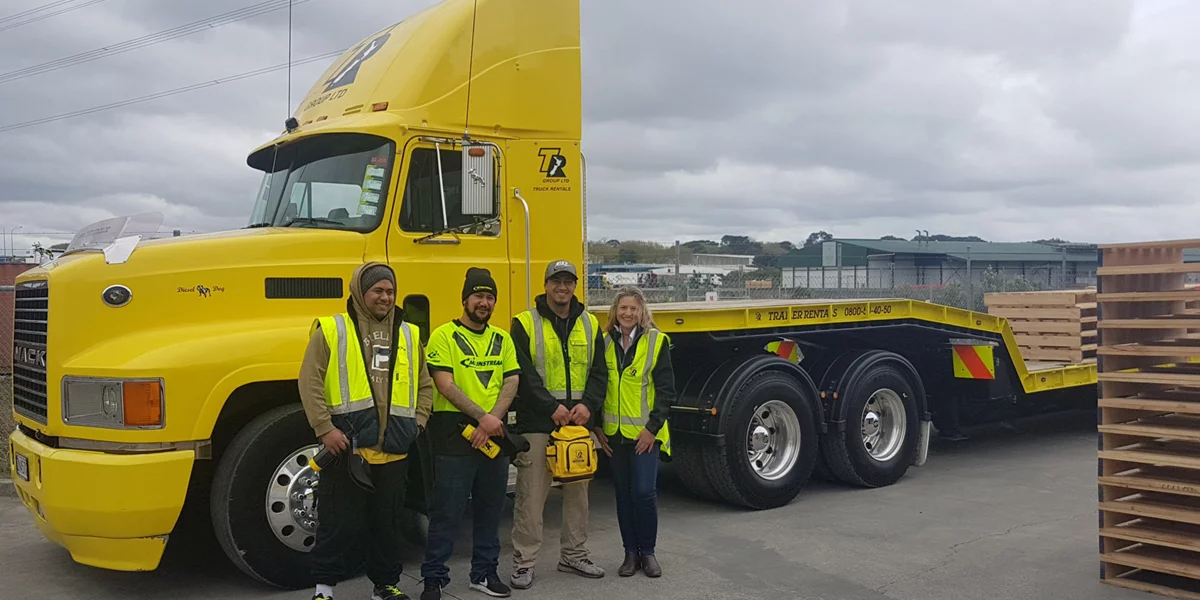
x=479 y=361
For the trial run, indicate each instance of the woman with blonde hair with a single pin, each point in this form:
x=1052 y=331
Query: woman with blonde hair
x=641 y=389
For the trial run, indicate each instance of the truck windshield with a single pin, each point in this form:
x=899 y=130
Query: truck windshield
x=328 y=181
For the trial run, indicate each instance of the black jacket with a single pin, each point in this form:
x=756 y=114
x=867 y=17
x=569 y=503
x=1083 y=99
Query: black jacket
x=534 y=405
x=664 y=382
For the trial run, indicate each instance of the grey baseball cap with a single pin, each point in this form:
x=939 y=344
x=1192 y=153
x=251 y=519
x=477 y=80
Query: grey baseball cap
x=561 y=266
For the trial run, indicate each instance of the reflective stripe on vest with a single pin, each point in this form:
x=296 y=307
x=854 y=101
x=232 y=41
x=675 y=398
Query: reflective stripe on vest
x=539 y=352
x=397 y=409
x=643 y=418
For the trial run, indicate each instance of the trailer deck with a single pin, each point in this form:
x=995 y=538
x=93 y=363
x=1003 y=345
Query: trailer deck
x=723 y=318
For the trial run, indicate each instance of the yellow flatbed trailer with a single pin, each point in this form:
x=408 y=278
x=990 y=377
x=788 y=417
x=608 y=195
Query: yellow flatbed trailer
x=773 y=390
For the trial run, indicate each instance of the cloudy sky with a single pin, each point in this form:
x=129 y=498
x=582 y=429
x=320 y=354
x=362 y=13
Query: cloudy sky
x=1008 y=119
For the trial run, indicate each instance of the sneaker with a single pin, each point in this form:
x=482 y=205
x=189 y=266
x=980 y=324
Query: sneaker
x=388 y=592
x=492 y=586
x=321 y=597
x=522 y=578
x=580 y=566
x=433 y=589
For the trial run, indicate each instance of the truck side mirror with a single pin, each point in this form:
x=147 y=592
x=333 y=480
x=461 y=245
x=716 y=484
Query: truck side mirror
x=478 y=185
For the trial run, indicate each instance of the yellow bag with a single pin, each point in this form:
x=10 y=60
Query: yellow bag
x=571 y=454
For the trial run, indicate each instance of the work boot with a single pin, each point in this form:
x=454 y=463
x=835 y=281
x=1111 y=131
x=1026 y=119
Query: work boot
x=522 y=578
x=630 y=566
x=650 y=566
x=388 y=592
x=580 y=566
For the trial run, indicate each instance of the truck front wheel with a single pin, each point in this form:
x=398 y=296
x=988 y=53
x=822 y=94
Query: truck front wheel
x=262 y=498
x=770 y=443
x=881 y=429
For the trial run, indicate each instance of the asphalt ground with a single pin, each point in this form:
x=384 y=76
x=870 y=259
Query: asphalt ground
x=1008 y=514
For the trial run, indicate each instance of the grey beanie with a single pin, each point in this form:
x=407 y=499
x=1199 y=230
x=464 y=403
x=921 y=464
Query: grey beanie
x=373 y=275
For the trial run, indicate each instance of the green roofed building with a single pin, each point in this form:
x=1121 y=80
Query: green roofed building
x=890 y=263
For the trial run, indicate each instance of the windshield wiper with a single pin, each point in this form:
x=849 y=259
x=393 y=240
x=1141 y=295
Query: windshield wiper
x=313 y=221
x=256 y=225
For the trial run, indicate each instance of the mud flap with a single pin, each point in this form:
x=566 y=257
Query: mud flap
x=923 y=443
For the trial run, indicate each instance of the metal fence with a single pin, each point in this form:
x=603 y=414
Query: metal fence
x=951 y=287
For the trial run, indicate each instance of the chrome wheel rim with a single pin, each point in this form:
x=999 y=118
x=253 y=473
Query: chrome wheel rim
x=884 y=424
x=291 y=501
x=773 y=440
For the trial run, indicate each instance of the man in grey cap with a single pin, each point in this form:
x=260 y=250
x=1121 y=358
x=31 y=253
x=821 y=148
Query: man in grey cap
x=560 y=349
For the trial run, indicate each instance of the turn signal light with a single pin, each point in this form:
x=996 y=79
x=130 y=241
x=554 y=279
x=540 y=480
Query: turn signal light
x=143 y=403
x=378 y=106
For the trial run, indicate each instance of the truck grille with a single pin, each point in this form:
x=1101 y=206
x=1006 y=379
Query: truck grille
x=30 y=321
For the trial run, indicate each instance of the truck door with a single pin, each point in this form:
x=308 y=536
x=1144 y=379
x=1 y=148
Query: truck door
x=432 y=242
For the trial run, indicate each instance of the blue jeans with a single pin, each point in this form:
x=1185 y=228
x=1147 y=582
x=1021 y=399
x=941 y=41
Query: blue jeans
x=635 y=477
x=482 y=480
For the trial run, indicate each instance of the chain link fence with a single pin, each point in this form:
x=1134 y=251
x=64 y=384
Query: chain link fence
x=939 y=285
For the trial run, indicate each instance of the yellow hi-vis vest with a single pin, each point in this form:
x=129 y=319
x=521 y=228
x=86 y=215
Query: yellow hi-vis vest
x=630 y=396
x=348 y=388
x=549 y=363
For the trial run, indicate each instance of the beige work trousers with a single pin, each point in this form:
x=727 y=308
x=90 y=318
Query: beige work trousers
x=533 y=484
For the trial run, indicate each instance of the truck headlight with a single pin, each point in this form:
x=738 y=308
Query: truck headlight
x=113 y=403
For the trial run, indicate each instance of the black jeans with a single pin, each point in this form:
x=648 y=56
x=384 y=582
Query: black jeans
x=351 y=521
x=635 y=478
x=458 y=478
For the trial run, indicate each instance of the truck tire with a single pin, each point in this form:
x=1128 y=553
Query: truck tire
x=250 y=498
x=414 y=527
x=882 y=429
x=770 y=443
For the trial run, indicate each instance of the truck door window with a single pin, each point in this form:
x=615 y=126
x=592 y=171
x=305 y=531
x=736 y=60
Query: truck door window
x=421 y=207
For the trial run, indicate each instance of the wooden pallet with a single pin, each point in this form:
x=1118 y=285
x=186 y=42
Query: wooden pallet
x=1149 y=419
x=1058 y=325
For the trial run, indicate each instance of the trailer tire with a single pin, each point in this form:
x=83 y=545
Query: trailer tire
x=771 y=409
x=891 y=426
x=239 y=498
x=689 y=465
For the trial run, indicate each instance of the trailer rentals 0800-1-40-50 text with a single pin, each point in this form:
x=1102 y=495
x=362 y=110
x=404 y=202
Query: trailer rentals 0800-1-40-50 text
x=157 y=374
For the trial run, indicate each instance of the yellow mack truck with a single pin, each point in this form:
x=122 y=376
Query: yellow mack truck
x=152 y=373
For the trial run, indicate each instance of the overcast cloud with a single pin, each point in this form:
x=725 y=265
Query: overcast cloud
x=1008 y=119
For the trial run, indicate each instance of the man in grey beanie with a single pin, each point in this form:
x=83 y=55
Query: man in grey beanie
x=367 y=352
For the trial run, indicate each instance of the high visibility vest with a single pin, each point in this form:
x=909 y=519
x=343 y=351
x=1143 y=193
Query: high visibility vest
x=630 y=396
x=348 y=388
x=486 y=369
x=549 y=363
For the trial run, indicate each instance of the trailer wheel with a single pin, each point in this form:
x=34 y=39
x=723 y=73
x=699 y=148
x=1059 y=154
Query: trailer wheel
x=770 y=443
x=882 y=429
x=261 y=499
x=689 y=464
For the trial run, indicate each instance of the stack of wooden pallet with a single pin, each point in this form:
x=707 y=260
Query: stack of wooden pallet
x=1149 y=421
x=1055 y=325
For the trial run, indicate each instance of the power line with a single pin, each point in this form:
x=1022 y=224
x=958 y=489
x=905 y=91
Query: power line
x=149 y=40
x=33 y=10
x=48 y=15
x=189 y=88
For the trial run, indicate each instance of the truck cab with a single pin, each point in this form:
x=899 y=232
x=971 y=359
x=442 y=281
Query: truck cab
x=148 y=373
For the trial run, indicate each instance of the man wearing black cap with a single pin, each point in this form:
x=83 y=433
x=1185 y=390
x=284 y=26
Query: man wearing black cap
x=475 y=372
x=563 y=382
x=364 y=387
